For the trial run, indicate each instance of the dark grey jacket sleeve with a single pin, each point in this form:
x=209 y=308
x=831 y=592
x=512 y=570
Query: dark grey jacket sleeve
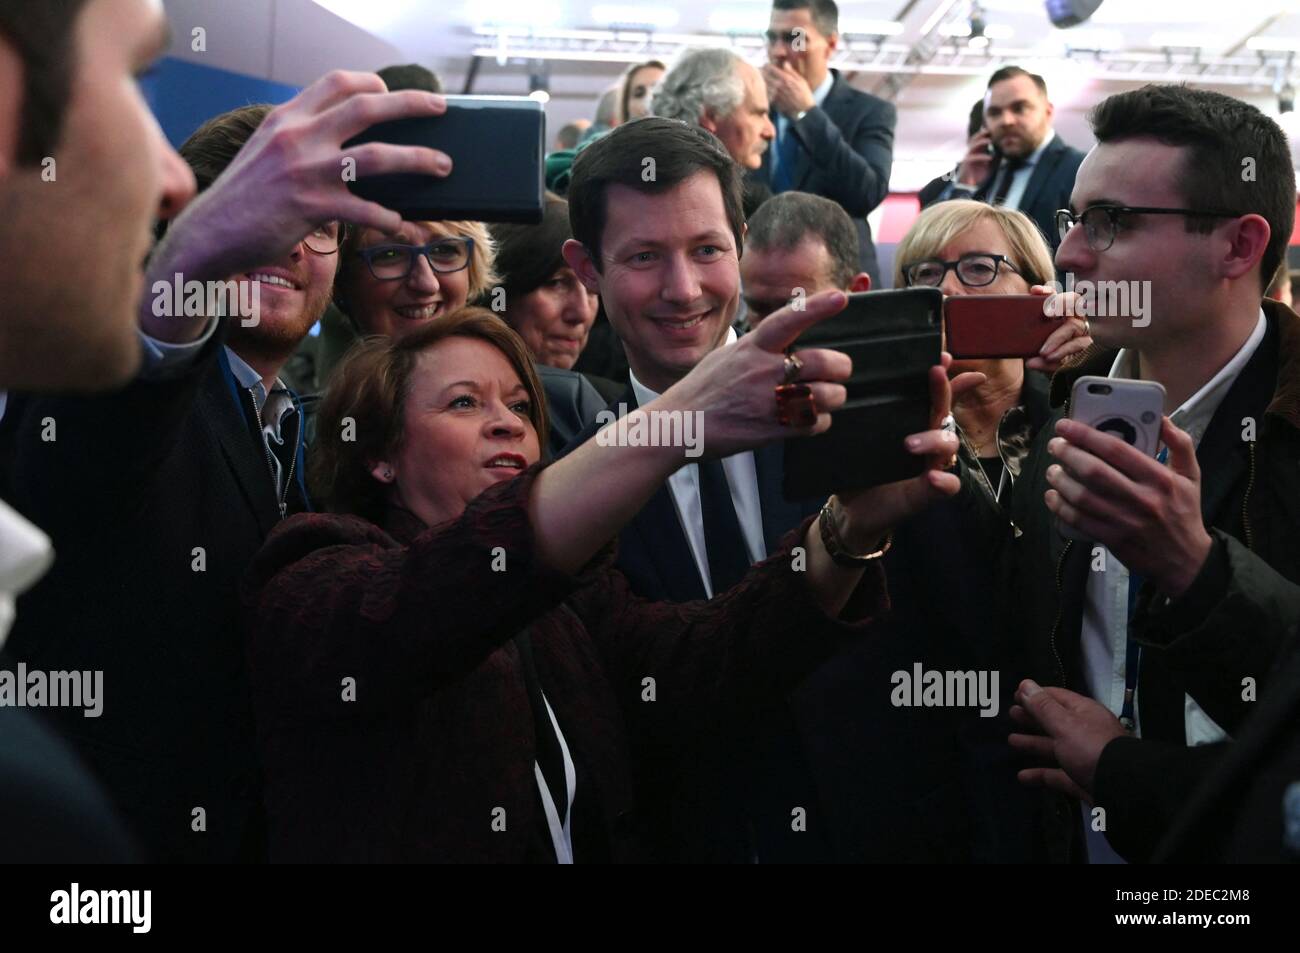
x=855 y=163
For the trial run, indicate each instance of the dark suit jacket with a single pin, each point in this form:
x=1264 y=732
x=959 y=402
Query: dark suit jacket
x=846 y=153
x=704 y=811
x=571 y=402
x=1205 y=642
x=1247 y=810
x=935 y=190
x=439 y=736
x=652 y=549
x=52 y=811
x=134 y=483
x=1048 y=189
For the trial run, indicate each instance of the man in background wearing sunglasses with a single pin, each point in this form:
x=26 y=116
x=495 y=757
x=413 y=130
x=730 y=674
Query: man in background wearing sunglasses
x=1173 y=610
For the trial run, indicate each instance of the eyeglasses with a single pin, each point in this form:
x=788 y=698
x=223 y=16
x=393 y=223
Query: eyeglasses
x=325 y=239
x=394 y=262
x=974 y=270
x=788 y=37
x=1101 y=222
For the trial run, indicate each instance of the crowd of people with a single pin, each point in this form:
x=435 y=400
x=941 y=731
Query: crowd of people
x=416 y=588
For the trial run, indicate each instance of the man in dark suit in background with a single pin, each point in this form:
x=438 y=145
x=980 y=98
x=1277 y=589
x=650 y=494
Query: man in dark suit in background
x=158 y=495
x=664 y=257
x=1030 y=167
x=831 y=139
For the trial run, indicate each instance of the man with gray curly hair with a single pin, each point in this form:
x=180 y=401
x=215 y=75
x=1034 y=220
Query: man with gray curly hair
x=716 y=90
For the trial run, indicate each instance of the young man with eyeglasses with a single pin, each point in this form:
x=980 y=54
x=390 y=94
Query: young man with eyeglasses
x=1173 y=609
x=158 y=494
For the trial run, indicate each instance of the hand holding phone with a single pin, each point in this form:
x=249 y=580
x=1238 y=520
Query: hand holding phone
x=978 y=160
x=1129 y=409
x=996 y=326
x=497 y=143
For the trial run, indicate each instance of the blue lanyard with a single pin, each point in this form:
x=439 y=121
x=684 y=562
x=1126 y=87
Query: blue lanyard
x=1132 y=650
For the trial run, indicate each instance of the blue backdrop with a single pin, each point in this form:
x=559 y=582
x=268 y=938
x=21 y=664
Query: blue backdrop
x=184 y=95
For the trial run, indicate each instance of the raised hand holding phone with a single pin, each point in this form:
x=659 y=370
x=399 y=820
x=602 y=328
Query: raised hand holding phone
x=977 y=162
x=288 y=179
x=1111 y=489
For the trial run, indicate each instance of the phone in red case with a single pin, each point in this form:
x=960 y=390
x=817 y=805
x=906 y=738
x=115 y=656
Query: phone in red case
x=988 y=326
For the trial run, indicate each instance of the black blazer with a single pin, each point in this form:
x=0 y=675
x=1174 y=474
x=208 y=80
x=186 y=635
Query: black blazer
x=1049 y=186
x=652 y=548
x=1249 y=797
x=847 y=151
x=52 y=811
x=156 y=496
x=703 y=812
x=571 y=401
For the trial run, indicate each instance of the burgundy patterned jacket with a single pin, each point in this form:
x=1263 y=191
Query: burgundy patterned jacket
x=411 y=759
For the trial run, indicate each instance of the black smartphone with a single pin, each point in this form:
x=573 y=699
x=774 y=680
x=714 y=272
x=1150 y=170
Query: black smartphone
x=893 y=339
x=496 y=145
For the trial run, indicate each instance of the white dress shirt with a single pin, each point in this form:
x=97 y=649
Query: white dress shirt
x=25 y=555
x=274 y=408
x=684 y=487
x=1104 y=636
x=1105 y=608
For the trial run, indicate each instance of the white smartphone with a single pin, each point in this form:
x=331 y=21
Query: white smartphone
x=1128 y=409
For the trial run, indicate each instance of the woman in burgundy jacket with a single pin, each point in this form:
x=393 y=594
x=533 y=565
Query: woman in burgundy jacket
x=444 y=666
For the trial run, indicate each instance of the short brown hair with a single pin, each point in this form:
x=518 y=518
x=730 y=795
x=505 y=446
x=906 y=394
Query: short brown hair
x=1011 y=72
x=679 y=151
x=44 y=36
x=371 y=386
x=214 y=145
x=825 y=14
x=1217 y=134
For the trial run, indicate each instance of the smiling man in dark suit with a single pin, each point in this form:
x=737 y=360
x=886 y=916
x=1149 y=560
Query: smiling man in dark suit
x=663 y=253
x=1030 y=168
x=664 y=256
x=831 y=139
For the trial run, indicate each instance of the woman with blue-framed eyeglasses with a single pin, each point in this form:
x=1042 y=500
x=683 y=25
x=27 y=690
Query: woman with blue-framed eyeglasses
x=393 y=284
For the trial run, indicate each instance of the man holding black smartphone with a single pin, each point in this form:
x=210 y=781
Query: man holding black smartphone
x=158 y=494
x=1174 y=614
